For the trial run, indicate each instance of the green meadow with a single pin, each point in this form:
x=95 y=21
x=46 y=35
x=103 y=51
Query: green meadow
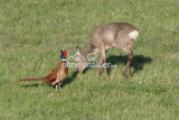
x=32 y=33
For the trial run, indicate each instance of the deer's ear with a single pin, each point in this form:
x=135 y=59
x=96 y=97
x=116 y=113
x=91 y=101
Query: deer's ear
x=78 y=52
x=76 y=48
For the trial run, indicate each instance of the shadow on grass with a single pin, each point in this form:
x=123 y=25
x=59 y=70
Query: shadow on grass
x=138 y=61
x=70 y=79
x=32 y=85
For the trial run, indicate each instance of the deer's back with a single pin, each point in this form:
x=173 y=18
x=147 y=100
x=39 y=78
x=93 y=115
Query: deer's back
x=114 y=35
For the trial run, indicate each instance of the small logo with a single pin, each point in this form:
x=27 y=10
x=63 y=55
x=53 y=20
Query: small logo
x=90 y=60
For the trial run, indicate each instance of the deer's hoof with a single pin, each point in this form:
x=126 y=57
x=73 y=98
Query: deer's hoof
x=127 y=75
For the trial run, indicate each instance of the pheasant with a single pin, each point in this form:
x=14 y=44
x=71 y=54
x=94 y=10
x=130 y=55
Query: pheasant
x=57 y=75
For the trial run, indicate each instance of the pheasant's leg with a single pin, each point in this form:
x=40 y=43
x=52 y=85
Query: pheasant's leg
x=56 y=87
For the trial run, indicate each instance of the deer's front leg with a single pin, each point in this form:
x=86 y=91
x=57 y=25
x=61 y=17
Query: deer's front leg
x=102 y=61
x=98 y=67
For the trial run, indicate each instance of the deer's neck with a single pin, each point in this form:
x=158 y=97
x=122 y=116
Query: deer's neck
x=89 y=48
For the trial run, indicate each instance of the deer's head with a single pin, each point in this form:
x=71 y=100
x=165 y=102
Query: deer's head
x=81 y=61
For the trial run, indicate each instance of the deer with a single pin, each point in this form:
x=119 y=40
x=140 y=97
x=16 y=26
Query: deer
x=120 y=35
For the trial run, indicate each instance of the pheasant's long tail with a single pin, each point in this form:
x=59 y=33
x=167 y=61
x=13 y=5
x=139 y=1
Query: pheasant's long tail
x=32 y=79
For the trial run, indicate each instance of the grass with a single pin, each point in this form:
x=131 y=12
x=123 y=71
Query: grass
x=33 y=32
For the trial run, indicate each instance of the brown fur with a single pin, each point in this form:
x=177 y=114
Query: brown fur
x=55 y=77
x=118 y=35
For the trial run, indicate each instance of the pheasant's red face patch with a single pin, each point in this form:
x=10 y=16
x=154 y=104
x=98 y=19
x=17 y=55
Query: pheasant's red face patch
x=64 y=54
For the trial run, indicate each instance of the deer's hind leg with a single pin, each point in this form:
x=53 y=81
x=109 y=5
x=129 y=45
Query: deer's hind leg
x=127 y=69
x=128 y=49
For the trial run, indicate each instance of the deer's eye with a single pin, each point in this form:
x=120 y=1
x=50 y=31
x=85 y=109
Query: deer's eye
x=92 y=57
